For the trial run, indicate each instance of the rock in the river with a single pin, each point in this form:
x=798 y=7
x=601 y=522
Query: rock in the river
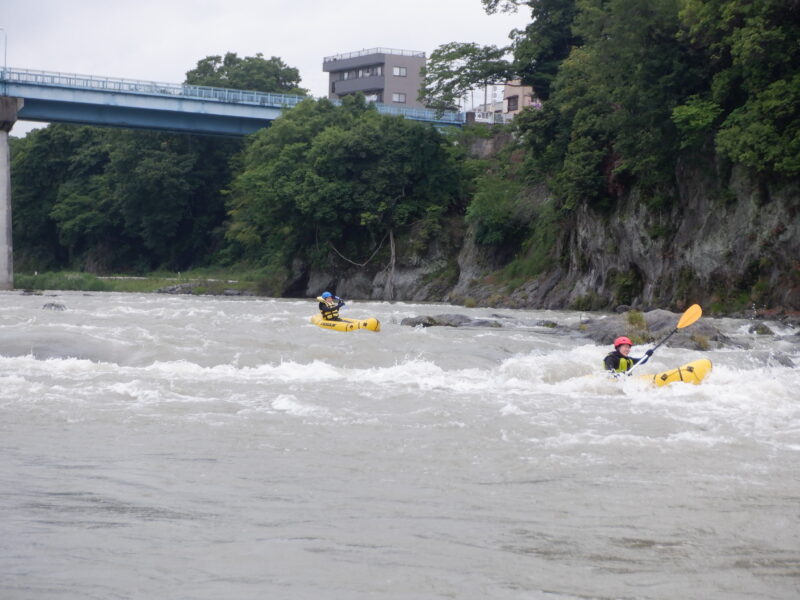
x=659 y=324
x=180 y=288
x=761 y=329
x=421 y=321
x=448 y=320
x=54 y=306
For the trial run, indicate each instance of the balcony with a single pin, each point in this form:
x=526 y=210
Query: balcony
x=349 y=86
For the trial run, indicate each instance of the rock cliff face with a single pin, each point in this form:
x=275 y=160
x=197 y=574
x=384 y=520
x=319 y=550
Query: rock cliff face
x=421 y=272
x=728 y=240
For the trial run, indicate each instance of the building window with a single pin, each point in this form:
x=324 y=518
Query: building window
x=373 y=71
x=399 y=72
x=513 y=103
x=399 y=97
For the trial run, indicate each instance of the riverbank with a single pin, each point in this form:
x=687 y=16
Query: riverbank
x=197 y=282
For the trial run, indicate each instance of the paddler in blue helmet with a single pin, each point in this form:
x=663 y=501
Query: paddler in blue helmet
x=329 y=306
x=619 y=360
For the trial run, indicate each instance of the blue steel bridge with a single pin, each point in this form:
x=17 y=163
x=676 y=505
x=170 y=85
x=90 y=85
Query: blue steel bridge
x=90 y=100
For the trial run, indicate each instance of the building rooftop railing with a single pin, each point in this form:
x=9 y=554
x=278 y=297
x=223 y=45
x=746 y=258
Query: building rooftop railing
x=358 y=53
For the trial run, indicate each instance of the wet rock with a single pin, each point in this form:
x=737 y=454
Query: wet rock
x=448 y=320
x=661 y=322
x=422 y=321
x=482 y=323
x=760 y=329
x=603 y=331
x=783 y=360
x=54 y=306
x=771 y=359
x=181 y=288
x=451 y=320
x=701 y=335
x=792 y=321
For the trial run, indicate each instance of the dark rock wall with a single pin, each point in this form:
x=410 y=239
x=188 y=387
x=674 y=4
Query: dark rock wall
x=719 y=242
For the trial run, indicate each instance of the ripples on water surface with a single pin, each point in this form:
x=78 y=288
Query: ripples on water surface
x=178 y=447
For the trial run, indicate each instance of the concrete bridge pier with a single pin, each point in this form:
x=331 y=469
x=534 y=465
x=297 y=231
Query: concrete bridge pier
x=8 y=116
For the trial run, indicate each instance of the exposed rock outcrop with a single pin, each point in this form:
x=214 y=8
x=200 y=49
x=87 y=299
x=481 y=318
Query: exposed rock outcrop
x=701 y=335
x=57 y=306
x=448 y=320
x=718 y=240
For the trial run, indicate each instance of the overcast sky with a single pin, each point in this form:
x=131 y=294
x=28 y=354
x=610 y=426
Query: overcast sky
x=160 y=40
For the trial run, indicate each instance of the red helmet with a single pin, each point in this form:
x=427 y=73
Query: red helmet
x=622 y=340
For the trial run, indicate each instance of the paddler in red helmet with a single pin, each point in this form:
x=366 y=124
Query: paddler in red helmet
x=618 y=361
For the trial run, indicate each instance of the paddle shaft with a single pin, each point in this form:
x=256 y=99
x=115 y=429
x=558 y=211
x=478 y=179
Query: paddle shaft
x=671 y=333
x=646 y=358
x=691 y=315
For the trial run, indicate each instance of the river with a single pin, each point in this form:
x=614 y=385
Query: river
x=158 y=446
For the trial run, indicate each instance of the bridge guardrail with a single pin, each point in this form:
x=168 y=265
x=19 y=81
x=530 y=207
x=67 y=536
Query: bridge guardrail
x=198 y=92
x=152 y=88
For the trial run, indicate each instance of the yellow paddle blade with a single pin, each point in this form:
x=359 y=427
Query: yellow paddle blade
x=691 y=315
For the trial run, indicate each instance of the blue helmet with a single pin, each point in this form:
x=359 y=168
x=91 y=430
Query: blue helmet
x=326 y=294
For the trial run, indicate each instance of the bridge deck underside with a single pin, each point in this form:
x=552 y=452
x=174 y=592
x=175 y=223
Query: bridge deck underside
x=140 y=118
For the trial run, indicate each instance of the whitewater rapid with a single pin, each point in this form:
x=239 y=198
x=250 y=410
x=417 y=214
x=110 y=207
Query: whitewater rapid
x=214 y=447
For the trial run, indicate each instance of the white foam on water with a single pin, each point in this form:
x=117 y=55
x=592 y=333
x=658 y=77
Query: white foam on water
x=536 y=383
x=291 y=405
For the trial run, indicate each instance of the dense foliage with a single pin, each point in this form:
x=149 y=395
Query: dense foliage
x=456 y=68
x=106 y=200
x=249 y=73
x=749 y=57
x=328 y=179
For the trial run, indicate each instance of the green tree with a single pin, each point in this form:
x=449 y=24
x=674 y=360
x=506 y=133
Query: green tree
x=607 y=121
x=42 y=162
x=545 y=43
x=87 y=223
x=492 y=6
x=166 y=191
x=330 y=179
x=250 y=73
x=456 y=68
x=751 y=62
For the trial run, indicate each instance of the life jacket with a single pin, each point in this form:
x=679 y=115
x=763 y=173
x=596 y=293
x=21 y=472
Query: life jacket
x=623 y=364
x=330 y=312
